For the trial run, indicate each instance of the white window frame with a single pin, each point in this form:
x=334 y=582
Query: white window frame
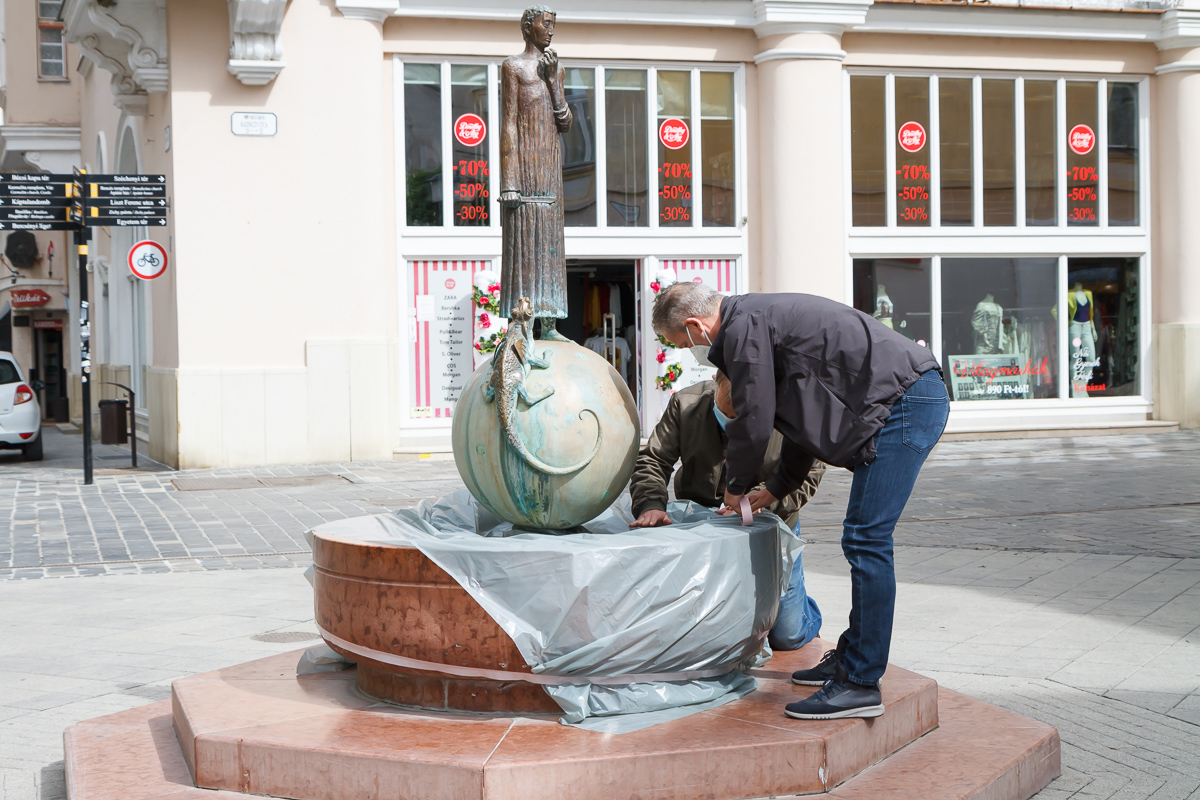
x=1059 y=241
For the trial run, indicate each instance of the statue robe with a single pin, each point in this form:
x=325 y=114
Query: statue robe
x=533 y=263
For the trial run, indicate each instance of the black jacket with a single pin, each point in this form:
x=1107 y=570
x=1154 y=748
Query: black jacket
x=821 y=373
x=688 y=435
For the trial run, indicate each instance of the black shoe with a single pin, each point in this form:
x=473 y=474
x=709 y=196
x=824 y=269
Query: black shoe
x=825 y=669
x=838 y=699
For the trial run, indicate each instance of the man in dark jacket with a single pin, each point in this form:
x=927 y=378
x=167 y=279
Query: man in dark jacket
x=692 y=434
x=844 y=388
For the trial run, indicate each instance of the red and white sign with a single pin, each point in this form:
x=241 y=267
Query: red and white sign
x=450 y=283
x=48 y=324
x=29 y=298
x=673 y=133
x=470 y=130
x=1081 y=140
x=911 y=136
x=147 y=260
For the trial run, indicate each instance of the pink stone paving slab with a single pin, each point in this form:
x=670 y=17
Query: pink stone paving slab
x=260 y=729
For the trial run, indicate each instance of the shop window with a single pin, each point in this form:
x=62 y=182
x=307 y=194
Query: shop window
x=1083 y=156
x=52 y=55
x=579 y=149
x=718 y=156
x=423 y=144
x=625 y=140
x=1040 y=136
x=1102 y=326
x=688 y=118
x=1122 y=154
x=999 y=153
x=999 y=328
x=912 y=152
x=895 y=291
x=867 y=142
x=954 y=128
x=469 y=165
x=1051 y=146
x=674 y=149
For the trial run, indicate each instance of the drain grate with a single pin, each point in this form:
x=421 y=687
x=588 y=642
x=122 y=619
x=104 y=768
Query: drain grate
x=210 y=484
x=286 y=637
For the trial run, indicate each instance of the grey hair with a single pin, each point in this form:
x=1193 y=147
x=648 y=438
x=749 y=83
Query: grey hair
x=681 y=301
x=532 y=13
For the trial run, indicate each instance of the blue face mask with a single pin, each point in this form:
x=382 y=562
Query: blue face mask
x=722 y=420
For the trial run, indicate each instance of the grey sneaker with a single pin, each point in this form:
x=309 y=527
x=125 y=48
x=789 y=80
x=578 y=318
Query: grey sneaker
x=838 y=699
x=825 y=669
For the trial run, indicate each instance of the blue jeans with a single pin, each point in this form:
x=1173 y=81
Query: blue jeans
x=878 y=495
x=799 y=619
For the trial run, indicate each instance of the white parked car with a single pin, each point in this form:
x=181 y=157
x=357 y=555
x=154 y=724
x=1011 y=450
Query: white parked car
x=20 y=414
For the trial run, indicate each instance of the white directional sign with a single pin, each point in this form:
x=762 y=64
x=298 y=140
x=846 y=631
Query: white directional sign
x=147 y=260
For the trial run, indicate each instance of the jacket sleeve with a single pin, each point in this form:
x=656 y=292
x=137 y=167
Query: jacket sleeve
x=795 y=468
x=655 y=463
x=750 y=365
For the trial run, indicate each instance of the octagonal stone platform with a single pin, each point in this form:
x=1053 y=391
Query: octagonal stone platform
x=258 y=728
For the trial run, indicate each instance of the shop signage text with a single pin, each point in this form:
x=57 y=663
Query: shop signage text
x=1081 y=140
x=470 y=130
x=911 y=137
x=673 y=133
x=994 y=377
x=47 y=202
x=48 y=324
x=29 y=298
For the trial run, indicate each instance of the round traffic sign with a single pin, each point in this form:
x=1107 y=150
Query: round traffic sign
x=911 y=136
x=470 y=130
x=147 y=260
x=673 y=133
x=1081 y=139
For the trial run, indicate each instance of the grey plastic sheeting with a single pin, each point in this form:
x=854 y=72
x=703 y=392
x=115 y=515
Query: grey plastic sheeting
x=697 y=596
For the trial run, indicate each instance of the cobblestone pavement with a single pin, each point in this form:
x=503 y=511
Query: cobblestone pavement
x=1056 y=577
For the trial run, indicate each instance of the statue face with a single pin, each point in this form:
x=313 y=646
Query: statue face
x=540 y=31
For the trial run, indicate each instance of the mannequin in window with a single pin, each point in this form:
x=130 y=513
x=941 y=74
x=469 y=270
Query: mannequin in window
x=986 y=321
x=1081 y=313
x=883 y=306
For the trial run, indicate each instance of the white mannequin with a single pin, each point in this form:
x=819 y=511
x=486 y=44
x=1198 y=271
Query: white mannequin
x=986 y=321
x=1082 y=337
x=884 y=308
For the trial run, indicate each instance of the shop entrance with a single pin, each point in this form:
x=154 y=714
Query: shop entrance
x=601 y=292
x=49 y=369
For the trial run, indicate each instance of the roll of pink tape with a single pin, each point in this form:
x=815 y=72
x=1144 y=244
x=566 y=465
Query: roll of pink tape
x=747 y=515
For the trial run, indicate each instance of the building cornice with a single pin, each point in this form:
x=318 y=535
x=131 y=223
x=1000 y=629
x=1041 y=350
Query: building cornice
x=255 y=43
x=39 y=148
x=1180 y=28
x=775 y=17
x=128 y=40
x=372 y=10
x=1177 y=66
x=798 y=54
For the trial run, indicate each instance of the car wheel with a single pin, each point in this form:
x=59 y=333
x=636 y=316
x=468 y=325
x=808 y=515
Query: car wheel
x=33 y=450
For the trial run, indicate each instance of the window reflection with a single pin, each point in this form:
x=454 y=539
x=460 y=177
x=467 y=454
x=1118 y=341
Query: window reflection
x=579 y=149
x=867 y=154
x=1041 y=207
x=954 y=97
x=469 y=160
x=895 y=291
x=625 y=142
x=423 y=144
x=1123 y=154
x=717 y=161
x=999 y=153
x=674 y=170
x=912 y=152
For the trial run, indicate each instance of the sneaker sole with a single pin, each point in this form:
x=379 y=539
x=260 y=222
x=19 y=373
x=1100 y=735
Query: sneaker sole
x=810 y=683
x=865 y=712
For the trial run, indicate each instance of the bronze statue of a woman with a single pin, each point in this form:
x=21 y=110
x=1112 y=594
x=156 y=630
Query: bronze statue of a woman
x=533 y=113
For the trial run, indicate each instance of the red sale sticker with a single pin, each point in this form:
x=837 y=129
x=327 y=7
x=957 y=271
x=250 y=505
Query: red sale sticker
x=911 y=136
x=449 y=283
x=1081 y=139
x=673 y=133
x=470 y=130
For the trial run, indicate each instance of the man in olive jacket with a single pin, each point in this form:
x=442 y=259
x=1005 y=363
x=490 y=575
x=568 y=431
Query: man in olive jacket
x=691 y=433
x=841 y=387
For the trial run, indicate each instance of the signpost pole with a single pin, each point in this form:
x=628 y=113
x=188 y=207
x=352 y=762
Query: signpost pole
x=85 y=358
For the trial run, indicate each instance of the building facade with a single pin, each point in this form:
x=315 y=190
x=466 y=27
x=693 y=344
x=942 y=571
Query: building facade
x=1004 y=183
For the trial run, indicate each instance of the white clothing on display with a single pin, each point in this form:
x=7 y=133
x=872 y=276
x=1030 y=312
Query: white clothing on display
x=621 y=363
x=884 y=309
x=1083 y=357
x=986 y=322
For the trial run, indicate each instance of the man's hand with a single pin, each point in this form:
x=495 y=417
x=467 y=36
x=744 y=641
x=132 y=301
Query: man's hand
x=733 y=503
x=761 y=499
x=651 y=518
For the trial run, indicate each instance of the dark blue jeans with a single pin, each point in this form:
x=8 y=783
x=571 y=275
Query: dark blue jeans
x=878 y=495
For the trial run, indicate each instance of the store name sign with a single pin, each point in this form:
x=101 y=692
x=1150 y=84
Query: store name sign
x=911 y=137
x=470 y=130
x=994 y=377
x=1081 y=140
x=29 y=298
x=673 y=133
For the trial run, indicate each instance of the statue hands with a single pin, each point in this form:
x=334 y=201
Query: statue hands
x=510 y=198
x=548 y=65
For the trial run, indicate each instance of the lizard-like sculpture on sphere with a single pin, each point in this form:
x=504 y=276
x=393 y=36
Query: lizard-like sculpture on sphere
x=510 y=365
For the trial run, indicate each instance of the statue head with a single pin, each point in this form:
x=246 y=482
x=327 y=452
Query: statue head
x=537 y=26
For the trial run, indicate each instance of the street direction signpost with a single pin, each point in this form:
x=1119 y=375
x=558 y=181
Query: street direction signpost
x=79 y=202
